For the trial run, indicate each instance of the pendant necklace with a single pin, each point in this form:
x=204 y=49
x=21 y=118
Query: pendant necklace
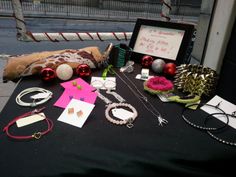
x=142 y=99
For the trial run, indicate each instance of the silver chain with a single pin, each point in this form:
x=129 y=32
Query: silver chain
x=143 y=99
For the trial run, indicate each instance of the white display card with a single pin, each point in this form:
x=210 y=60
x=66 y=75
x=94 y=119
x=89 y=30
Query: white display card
x=80 y=113
x=103 y=84
x=138 y=76
x=226 y=106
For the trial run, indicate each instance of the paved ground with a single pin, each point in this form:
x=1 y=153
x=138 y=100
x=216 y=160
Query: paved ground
x=5 y=88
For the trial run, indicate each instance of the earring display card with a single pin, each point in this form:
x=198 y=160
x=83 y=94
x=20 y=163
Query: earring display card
x=67 y=95
x=104 y=83
x=74 y=84
x=226 y=106
x=77 y=89
x=82 y=111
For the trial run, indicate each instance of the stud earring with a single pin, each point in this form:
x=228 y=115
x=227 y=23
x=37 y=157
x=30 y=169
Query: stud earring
x=74 y=83
x=70 y=110
x=79 y=113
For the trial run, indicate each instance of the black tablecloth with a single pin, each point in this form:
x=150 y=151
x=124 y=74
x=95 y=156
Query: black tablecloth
x=101 y=148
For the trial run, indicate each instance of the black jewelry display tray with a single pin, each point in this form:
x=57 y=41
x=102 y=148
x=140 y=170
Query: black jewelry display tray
x=101 y=148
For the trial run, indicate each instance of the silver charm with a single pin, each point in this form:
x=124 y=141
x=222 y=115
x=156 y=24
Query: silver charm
x=162 y=120
x=130 y=123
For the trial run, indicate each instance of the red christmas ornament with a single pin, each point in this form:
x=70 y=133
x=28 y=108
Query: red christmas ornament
x=48 y=74
x=146 y=61
x=83 y=70
x=169 y=69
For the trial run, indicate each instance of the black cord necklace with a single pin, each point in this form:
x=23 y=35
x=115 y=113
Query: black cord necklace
x=213 y=134
x=204 y=127
x=212 y=131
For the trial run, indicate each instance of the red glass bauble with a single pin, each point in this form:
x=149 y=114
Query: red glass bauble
x=47 y=74
x=170 y=69
x=146 y=61
x=83 y=70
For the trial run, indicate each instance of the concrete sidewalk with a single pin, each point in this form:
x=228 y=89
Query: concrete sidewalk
x=6 y=89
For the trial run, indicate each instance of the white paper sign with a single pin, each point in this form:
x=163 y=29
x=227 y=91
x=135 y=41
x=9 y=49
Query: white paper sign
x=76 y=113
x=226 y=106
x=159 y=42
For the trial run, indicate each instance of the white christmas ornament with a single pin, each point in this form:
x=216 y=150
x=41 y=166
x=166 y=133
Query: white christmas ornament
x=64 y=72
x=158 y=65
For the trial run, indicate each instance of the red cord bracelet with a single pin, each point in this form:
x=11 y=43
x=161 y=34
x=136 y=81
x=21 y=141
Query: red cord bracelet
x=36 y=135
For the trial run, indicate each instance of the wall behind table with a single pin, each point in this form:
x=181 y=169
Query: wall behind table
x=227 y=81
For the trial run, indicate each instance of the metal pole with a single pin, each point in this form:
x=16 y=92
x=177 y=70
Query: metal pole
x=27 y=36
x=166 y=8
x=20 y=22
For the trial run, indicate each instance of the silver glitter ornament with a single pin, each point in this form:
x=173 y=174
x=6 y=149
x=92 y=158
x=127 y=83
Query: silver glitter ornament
x=158 y=65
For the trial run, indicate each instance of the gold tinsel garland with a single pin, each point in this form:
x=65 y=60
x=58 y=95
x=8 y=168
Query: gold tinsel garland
x=195 y=79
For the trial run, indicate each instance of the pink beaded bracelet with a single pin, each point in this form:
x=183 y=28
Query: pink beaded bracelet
x=128 y=122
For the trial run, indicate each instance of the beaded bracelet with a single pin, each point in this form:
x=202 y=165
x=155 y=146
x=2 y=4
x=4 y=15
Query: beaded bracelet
x=204 y=127
x=128 y=122
x=36 y=135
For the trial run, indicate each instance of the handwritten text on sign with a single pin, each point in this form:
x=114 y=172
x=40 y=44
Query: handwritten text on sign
x=159 y=42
